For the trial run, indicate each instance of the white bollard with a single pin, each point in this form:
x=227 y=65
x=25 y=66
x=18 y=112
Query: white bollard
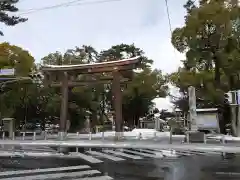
x=77 y=147
x=140 y=136
x=23 y=136
x=154 y=135
x=34 y=136
x=205 y=139
x=13 y=136
x=45 y=135
x=90 y=138
x=3 y=135
x=187 y=136
x=90 y=135
x=223 y=139
x=223 y=142
x=102 y=135
x=170 y=137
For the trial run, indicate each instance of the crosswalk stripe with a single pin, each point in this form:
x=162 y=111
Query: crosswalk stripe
x=96 y=178
x=86 y=157
x=122 y=154
x=30 y=154
x=156 y=153
x=140 y=153
x=48 y=170
x=177 y=153
x=200 y=153
x=57 y=175
x=10 y=154
x=107 y=156
x=168 y=153
x=228 y=173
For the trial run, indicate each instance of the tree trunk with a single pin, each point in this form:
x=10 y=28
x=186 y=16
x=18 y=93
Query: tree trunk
x=217 y=71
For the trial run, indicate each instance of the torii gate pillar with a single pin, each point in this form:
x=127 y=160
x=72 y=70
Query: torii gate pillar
x=117 y=97
x=64 y=106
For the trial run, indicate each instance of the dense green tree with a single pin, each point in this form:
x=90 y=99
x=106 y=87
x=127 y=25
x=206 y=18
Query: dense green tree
x=15 y=57
x=144 y=86
x=210 y=39
x=138 y=95
x=209 y=30
x=21 y=60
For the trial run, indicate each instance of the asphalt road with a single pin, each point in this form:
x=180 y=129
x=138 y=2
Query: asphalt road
x=188 y=167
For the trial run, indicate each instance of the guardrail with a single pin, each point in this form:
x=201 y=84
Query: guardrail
x=128 y=140
x=111 y=135
x=125 y=144
x=103 y=135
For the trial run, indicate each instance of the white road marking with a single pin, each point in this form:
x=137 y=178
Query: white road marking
x=96 y=178
x=140 y=153
x=169 y=153
x=107 y=156
x=154 y=152
x=47 y=170
x=85 y=157
x=10 y=154
x=228 y=173
x=122 y=154
x=57 y=175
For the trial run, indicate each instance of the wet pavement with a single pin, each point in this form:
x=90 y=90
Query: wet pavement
x=188 y=166
x=194 y=167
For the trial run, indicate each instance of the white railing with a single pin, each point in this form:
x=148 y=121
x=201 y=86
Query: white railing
x=126 y=144
x=101 y=135
x=111 y=135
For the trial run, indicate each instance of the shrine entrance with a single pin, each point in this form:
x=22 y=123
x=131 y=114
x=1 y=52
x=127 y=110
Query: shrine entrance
x=66 y=76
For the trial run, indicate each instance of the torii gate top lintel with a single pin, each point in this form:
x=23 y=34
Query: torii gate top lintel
x=123 y=64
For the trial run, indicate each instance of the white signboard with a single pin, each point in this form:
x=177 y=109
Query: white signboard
x=238 y=97
x=207 y=120
x=7 y=72
x=230 y=97
x=234 y=97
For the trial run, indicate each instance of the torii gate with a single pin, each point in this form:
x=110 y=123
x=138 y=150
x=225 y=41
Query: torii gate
x=66 y=76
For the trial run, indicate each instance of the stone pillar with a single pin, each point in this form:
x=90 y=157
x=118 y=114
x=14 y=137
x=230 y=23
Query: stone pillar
x=117 y=103
x=64 y=106
x=192 y=108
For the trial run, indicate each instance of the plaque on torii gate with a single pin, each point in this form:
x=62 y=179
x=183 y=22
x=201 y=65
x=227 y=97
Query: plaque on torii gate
x=66 y=76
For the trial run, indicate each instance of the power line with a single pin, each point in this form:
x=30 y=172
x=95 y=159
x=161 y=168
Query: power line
x=168 y=15
x=67 y=4
x=170 y=25
x=50 y=7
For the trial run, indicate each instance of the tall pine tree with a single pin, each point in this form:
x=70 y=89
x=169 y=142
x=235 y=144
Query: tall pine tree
x=6 y=7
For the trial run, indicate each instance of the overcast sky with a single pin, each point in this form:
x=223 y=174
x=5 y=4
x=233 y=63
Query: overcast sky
x=101 y=25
